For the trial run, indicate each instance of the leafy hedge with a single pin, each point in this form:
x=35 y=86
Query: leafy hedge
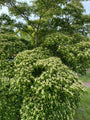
x=54 y=94
x=9 y=100
x=74 y=50
x=43 y=88
x=10 y=45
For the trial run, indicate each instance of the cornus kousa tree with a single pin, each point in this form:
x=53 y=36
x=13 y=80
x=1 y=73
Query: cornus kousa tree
x=42 y=88
x=10 y=46
x=40 y=57
x=74 y=50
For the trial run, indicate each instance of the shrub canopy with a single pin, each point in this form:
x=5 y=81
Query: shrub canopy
x=10 y=45
x=74 y=50
x=43 y=88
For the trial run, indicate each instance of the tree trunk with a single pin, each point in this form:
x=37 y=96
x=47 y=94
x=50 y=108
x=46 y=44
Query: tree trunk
x=38 y=26
x=36 y=39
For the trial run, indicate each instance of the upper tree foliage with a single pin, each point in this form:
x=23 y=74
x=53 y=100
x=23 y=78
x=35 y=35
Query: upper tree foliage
x=52 y=16
x=6 y=24
x=49 y=16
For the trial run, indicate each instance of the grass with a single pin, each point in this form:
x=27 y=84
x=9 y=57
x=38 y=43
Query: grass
x=85 y=78
x=83 y=112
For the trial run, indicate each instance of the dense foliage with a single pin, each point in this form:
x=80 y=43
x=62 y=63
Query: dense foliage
x=49 y=16
x=54 y=94
x=9 y=100
x=73 y=50
x=39 y=84
x=43 y=88
x=10 y=45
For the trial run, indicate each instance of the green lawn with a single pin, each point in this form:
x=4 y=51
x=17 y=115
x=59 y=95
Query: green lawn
x=85 y=78
x=83 y=113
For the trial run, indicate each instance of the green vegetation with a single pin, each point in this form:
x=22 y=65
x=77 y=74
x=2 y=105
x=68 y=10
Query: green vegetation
x=10 y=46
x=83 y=113
x=73 y=50
x=42 y=88
x=39 y=58
x=86 y=77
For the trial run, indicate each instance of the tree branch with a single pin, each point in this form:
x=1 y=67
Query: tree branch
x=37 y=31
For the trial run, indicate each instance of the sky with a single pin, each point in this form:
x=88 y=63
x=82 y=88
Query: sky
x=86 y=6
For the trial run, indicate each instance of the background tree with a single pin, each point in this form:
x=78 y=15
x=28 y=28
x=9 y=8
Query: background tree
x=50 y=17
x=6 y=24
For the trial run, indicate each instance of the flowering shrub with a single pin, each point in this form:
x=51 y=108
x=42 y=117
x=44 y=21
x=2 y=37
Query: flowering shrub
x=11 y=92
x=10 y=45
x=43 y=88
x=76 y=56
x=48 y=89
x=9 y=100
x=74 y=51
